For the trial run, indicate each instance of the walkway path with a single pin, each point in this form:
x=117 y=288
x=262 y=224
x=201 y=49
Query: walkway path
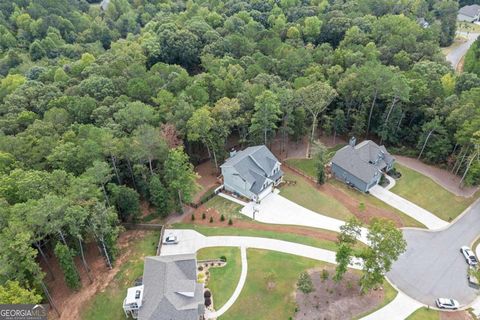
x=399 y=309
x=238 y=289
x=444 y=178
x=430 y=220
x=392 y=182
x=276 y=209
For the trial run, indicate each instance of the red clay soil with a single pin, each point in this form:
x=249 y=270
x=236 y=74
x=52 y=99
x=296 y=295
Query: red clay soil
x=207 y=178
x=70 y=302
x=443 y=177
x=335 y=300
x=459 y=315
x=352 y=204
x=249 y=225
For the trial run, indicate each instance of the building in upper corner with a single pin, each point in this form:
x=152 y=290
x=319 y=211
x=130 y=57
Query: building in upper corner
x=170 y=290
x=361 y=165
x=469 y=13
x=252 y=172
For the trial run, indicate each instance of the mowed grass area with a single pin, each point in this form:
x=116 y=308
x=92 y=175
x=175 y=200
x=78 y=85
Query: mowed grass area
x=315 y=200
x=223 y=281
x=228 y=208
x=426 y=193
x=311 y=198
x=268 y=291
x=424 y=314
x=107 y=305
x=365 y=198
x=232 y=231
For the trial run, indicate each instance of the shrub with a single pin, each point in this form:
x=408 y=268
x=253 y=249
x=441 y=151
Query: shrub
x=207 y=294
x=223 y=258
x=211 y=219
x=222 y=218
x=208 y=302
x=304 y=283
x=193 y=217
x=204 y=216
x=324 y=275
x=230 y=222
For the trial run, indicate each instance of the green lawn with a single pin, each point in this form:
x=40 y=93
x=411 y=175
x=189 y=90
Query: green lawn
x=424 y=314
x=229 y=209
x=311 y=198
x=108 y=303
x=223 y=281
x=365 y=198
x=232 y=231
x=258 y=300
x=426 y=193
x=307 y=166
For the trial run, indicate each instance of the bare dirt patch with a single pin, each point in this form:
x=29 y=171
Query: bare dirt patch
x=70 y=302
x=331 y=300
x=459 y=315
x=207 y=178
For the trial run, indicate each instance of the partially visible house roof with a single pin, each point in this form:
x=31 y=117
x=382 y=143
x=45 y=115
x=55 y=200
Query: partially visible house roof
x=470 y=11
x=364 y=160
x=104 y=4
x=171 y=290
x=255 y=165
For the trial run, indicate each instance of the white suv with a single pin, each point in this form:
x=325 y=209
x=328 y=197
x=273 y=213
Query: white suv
x=444 y=303
x=469 y=256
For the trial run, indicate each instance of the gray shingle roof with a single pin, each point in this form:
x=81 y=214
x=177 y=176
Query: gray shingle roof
x=255 y=165
x=364 y=161
x=168 y=281
x=470 y=11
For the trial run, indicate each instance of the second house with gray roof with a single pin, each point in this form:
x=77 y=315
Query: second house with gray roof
x=361 y=165
x=252 y=173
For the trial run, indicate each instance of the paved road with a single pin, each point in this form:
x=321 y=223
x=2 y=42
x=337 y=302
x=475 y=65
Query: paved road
x=430 y=220
x=433 y=266
x=457 y=53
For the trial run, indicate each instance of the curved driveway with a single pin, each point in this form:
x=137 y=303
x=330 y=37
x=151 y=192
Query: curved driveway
x=457 y=53
x=433 y=266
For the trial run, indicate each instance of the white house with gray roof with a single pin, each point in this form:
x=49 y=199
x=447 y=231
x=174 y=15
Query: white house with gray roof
x=170 y=290
x=252 y=172
x=361 y=165
x=469 y=13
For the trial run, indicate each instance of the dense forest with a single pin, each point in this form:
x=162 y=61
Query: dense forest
x=100 y=108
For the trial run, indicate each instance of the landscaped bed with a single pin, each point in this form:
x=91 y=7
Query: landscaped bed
x=426 y=193
x=342 y=300
x=223 y=280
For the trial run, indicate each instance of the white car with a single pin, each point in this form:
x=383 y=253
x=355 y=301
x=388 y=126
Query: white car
x=444 y=303
x=170 y=239
x=469 y=256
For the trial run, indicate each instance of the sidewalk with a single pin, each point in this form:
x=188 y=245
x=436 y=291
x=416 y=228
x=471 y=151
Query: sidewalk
x=430 y=220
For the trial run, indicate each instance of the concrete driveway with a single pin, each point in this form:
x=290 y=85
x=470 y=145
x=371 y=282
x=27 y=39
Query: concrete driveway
x=457 y=53
x=276 y=209
x=433 y=266
x=430 y=220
